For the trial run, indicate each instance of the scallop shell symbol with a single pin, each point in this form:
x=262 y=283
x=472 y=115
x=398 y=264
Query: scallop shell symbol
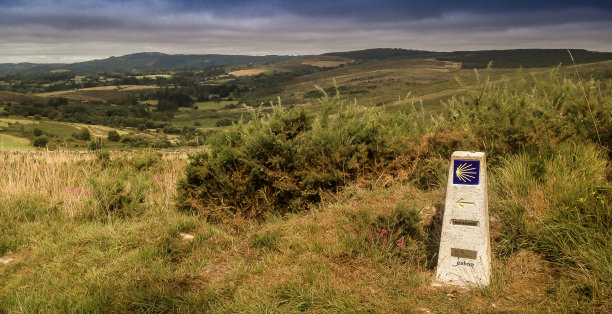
x=465 y=172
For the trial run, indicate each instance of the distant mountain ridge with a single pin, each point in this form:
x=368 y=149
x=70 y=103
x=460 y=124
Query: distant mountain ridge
x=143 y=61
x=510 y=58
x=513 y=58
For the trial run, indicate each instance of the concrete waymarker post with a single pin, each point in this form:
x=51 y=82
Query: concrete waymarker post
x=465 y=253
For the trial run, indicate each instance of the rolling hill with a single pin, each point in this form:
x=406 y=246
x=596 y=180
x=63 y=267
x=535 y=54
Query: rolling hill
x=142 y=61
x=527 y=58
x=513 y=58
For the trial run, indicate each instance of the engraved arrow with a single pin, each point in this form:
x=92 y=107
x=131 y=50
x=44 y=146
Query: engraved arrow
x=462 y=203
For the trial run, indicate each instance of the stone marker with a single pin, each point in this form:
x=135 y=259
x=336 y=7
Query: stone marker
x=465 y=253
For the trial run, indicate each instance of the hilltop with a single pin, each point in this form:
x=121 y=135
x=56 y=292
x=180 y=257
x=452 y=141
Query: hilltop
x=514 y=58
x=329 y=208
x=142 y=61
x=509 y=58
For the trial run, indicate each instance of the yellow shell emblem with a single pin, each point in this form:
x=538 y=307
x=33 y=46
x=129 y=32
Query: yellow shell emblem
x=465 y=172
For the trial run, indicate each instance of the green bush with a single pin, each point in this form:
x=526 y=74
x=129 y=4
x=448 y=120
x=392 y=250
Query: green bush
x=288 y=159
x=40 y=141
x=224 y=122
x=82 y=134
x=113 y=136
x=95 y=144
x=137 y=140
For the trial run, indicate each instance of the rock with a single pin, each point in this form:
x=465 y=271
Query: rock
x=187 y=236
x=427 y=214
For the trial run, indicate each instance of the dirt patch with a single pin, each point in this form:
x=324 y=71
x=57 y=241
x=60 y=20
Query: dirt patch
x=140 y=87
x=100 y=88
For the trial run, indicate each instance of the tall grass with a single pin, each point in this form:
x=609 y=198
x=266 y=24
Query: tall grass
x=559 y=203
x=532 y=115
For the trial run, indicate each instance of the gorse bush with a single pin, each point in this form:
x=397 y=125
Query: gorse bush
x=283 y=161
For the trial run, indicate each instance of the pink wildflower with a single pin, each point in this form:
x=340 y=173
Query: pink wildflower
x=158 y=178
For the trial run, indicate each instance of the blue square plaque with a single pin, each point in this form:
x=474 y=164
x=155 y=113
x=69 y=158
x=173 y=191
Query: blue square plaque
x=466 y=172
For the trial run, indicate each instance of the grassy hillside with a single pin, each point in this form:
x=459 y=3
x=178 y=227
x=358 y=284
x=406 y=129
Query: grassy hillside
x=527 y=58
x=511 y=58
x=101 y=232
x=200 y=102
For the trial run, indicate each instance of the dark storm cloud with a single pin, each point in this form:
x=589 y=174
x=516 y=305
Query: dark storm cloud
x=82 y=29
x=385 y=9
x=65 y=21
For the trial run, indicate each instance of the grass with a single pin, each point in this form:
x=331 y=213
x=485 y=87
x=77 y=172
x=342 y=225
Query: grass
x=76 y=256
x=9 y=142
x=97 y=232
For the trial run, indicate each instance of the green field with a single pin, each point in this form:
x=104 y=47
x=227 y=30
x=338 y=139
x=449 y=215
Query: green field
x=9 y=142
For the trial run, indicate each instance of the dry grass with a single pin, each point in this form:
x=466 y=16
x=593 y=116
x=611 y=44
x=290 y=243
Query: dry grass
x=323 y=63
x=63 y=179
x=22 y=121
x=249 y=72
x=99 y=93
x=297 y=262
x=97 y=130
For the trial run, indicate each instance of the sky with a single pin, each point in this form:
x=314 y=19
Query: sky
x=64 y=31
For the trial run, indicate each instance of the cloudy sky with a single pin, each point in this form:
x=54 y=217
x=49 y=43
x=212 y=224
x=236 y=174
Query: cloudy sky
x=78 y=30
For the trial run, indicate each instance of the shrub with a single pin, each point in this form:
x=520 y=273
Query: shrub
x=82 y=134
x=95 y=144
x=284 y=161
x=113 y=136
x=40 y=141
x=224 y=122
x=37 y=132
x=170 y=129
x=145 y=141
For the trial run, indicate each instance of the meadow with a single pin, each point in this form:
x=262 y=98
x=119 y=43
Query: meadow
x=141 y=231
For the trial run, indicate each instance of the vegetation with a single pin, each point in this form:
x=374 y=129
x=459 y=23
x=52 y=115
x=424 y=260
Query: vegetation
x=283 y=161
x=333 y=207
